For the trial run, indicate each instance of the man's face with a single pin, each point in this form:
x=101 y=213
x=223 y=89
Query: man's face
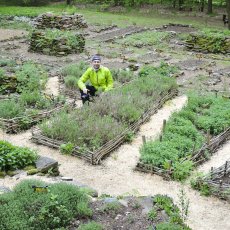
x=96 y=64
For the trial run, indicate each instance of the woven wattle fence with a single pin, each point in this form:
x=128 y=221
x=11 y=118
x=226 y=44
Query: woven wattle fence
x=198 y=157
x=96 y=156
x=14 y=125
x=216 y=181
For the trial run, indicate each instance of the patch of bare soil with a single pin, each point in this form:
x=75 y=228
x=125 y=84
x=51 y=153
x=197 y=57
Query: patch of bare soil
x=116 y=216
x=7 y=34
x=119 y=33
x=52 y=86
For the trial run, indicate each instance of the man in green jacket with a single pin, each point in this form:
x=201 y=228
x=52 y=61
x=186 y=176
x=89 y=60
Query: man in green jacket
x=100 y=78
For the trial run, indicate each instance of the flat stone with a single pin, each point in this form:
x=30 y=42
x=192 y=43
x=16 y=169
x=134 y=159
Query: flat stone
x=43 y=164
x=66 y=179
x=146 y=203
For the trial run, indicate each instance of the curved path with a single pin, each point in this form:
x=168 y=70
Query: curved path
x=116 y=176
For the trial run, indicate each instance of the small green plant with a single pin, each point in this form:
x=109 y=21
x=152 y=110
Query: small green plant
x=67 y=148
x=183 y=205
x=112 y=207
x=152 y=214
x=13 y=157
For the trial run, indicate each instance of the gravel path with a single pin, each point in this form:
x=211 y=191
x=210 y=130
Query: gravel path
x=116 y=176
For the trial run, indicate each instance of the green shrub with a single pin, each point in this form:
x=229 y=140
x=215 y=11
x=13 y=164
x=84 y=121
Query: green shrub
x=12 y=157
x=10 y=109
x=31 y=77
x=181 y=170
x=90 y=226
x=122 y=76
x=42 y=210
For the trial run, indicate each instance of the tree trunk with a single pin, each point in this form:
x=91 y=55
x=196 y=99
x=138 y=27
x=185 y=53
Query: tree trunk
x=202 y=6
x=181 y=2
x=209 y=7
x=228 y=12
x=68 y=2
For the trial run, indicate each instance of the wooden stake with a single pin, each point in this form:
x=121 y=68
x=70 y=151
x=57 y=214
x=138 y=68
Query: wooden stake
x=225 y=167
x=211 y=172
x=208 y=137
x=161 y=137
x=143 y=139
x=164 y=125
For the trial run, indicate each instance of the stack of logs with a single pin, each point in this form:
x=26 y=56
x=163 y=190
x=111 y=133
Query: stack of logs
x=58 y=46
x=202 y=43
x=61 y=22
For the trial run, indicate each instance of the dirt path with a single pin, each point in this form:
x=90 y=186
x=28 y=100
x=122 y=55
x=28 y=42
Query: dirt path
x=52 y=86
x=116 y=176
x=7 y=34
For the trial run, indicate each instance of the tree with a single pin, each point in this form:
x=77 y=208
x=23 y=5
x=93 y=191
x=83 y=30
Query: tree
x=228 y=12
x=209 y=7
x=68 y=2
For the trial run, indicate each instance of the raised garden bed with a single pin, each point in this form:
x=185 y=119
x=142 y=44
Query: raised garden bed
x=217 y=182
x=56 y=42
x=198 y=157
x=62 y=22
x=208 y=43
x=96 y=156
x=186 y=151
x=16 y=124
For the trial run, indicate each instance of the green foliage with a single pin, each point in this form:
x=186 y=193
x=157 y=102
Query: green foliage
x=10 y=109
x=122 y=76
x=163 y=70
x=12 y=157
x=109 y=115
x=170 y=226
x=152 y=214
x=182 y=136
x=67 y=148
x=52 y=40
x=90 y=226
x=31 y=77
x=181 y=170
x=113 y=207
x=25 y=209
x=72 y=73
x=198 y=183
x=148 y=38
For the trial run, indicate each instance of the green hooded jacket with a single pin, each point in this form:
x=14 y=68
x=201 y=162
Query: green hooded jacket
x=100 y=79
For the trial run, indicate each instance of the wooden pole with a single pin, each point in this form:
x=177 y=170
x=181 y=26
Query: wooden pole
x=143 y=139
x=208 y=137
x=225 y=167
x=164 y=125
x=211 y=172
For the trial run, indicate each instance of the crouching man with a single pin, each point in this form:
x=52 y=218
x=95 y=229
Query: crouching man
x=100 y=79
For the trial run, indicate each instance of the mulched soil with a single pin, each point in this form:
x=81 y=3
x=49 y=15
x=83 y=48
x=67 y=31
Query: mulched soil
x=129 y=216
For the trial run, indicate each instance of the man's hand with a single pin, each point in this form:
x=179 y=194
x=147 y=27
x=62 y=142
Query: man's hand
x=85 y=90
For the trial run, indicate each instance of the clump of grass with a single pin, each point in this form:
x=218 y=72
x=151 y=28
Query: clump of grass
x=72 y=73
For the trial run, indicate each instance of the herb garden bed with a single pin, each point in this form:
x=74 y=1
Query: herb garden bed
x=198 y=158
x=181 y=145
x=16 y=124
x=96 y=156
x=217 y=182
